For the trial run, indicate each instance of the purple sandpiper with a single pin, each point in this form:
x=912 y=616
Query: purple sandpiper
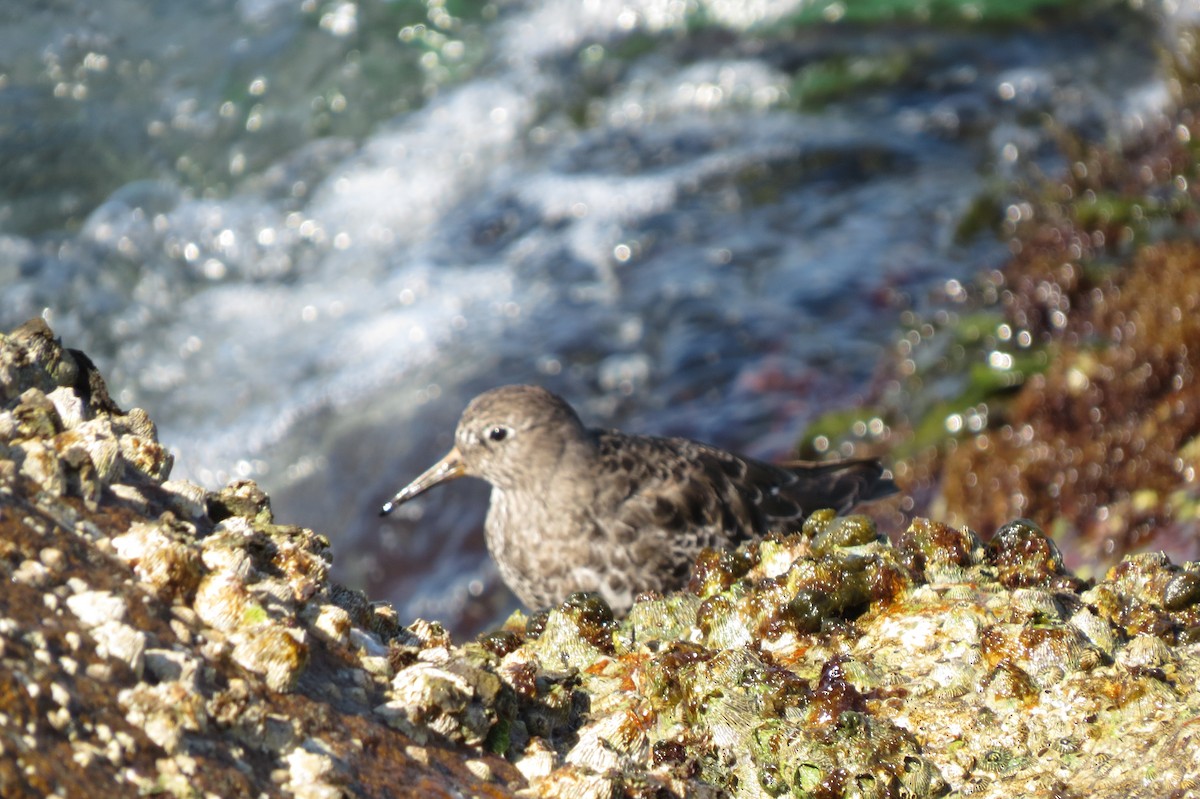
x=579 y=509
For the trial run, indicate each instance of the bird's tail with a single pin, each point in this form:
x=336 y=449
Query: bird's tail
x=838 y=484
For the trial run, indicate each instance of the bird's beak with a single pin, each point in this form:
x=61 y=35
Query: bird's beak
x=448 y=468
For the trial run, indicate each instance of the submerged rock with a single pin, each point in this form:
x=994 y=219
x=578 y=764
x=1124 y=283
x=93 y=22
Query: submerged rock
x=158 y=639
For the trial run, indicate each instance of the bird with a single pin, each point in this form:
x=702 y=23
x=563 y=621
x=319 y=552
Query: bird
x=577 y=509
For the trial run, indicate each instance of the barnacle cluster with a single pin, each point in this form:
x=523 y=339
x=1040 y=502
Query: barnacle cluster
x=157 y=638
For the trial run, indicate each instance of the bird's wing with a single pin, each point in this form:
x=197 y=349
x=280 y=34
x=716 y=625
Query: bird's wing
x=681 y=485
x=836 y=484
x=687 y=489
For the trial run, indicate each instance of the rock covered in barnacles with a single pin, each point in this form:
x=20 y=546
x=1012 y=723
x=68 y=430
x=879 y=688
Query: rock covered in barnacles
x=33 y=359
x=103 y=614
x=34 y=417
x=445 y=696
x=167 y=712
x=277 y=652
x=316 y=772
x=38 y=461
x=943 y=553
x=164 y=556
x=224 y=603
x=832 y=663
x=240 y=499
x=62 y=430
x=576 y=633
x=1146 y=593
x=138 y=656
x=1023 y=556
x=802 y=584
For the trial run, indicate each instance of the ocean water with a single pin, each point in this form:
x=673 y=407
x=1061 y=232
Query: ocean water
x=303 y=235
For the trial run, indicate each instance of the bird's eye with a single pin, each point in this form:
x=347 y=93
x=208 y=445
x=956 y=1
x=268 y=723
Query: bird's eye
x=498 y=433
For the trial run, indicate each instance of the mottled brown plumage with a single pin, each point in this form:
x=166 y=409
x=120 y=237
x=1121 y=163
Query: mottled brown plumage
x=578 y=509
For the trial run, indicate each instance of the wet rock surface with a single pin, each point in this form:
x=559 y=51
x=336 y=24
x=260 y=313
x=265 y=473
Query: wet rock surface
x=158 y=639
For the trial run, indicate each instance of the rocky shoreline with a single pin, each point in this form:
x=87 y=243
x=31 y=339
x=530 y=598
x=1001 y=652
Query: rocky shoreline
x=157 y=638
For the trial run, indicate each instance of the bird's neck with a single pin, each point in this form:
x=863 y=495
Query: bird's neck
x=531 y=506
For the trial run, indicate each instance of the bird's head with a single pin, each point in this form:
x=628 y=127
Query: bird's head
x=510 y=436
